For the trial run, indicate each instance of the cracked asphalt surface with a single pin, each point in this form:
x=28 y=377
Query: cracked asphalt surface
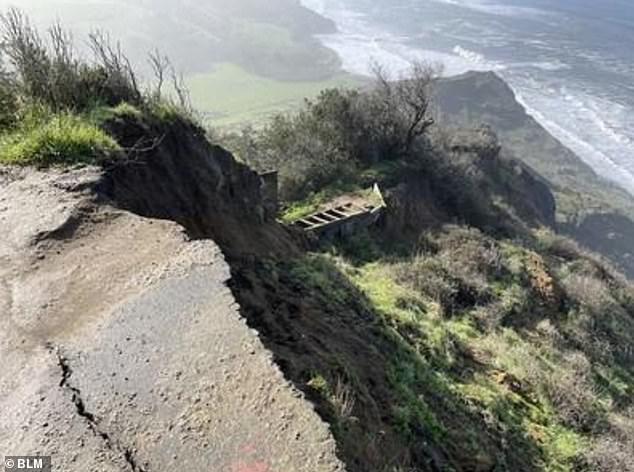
x=123 y=349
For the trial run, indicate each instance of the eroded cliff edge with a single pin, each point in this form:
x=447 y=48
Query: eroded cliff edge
x=128 y=351
x=122 y=346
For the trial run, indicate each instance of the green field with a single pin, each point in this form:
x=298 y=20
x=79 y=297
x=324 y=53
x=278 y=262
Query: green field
x=230 y=95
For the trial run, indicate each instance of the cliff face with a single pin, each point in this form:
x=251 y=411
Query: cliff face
x=474 y=183
x=179 y=176
x=127 y=317
x=482 y=97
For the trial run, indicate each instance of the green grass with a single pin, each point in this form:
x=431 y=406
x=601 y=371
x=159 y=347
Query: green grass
x=440 y=343
x=154 y=111
x=257 y=34
x=44 y=139
x=166 y=112
x=101 y=114
x=311 y=204
x=364 y=188
x=460 y=382
x=231 y=96
x=319 y=383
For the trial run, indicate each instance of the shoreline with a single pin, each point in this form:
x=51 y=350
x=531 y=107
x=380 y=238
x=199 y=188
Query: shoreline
x=358 y=43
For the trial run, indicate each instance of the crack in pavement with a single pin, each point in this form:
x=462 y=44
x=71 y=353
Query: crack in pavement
x=90 y=418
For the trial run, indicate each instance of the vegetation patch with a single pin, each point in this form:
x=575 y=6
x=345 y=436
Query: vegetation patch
x=529 y=380
x=498 y=346
x=55 y=105
x=56 y=138
x=342 y=135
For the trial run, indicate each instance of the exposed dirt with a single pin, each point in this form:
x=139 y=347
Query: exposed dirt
x=126 y=350
x=309 y=331
x=341 y=337
x=123 y=349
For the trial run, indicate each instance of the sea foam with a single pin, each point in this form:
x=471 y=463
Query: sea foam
x=599 y=130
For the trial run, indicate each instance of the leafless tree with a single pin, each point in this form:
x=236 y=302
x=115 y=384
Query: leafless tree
x=115 y=64
x=160 y=65
x=182 y=91
x=63 y=75
x=405 y=101
x=25 y=50
x=164 y=70
x=62 y=44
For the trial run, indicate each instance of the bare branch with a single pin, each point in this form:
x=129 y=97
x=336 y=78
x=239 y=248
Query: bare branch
x=116 y=65
x=160 y=66
x=23 y=46
x=182 y=92
x=405 y=104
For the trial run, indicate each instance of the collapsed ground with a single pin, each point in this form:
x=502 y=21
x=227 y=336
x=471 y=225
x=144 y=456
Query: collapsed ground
x=473 y=346
x=488 y=343
x=462 y=334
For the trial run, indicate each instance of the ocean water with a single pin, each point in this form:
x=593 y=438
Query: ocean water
x=570 y=62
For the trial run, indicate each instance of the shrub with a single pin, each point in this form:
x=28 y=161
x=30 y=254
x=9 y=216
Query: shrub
x=469 y=252
x=601 y=324
x=609 y=455
x=575 y=397
x=8 y=100
x=456 y=270
x=458 y=185
x=511 y=308
x=612 y=452
x=429 y=277
x=339 y=133
x=623 y=293
x=435 y=278
x=53 y=103
x=540 y=279
x=50 y=72
x=306 y=149
x=556 y=245
x=589 y=292
x=8 y=108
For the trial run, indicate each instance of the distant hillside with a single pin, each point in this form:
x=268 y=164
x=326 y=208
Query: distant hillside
x=273 y=39
x=583 y=198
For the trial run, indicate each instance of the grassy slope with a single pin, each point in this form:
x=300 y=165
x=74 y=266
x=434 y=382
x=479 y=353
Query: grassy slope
x=516 y=378
x=43 y=138
x=230 y=95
